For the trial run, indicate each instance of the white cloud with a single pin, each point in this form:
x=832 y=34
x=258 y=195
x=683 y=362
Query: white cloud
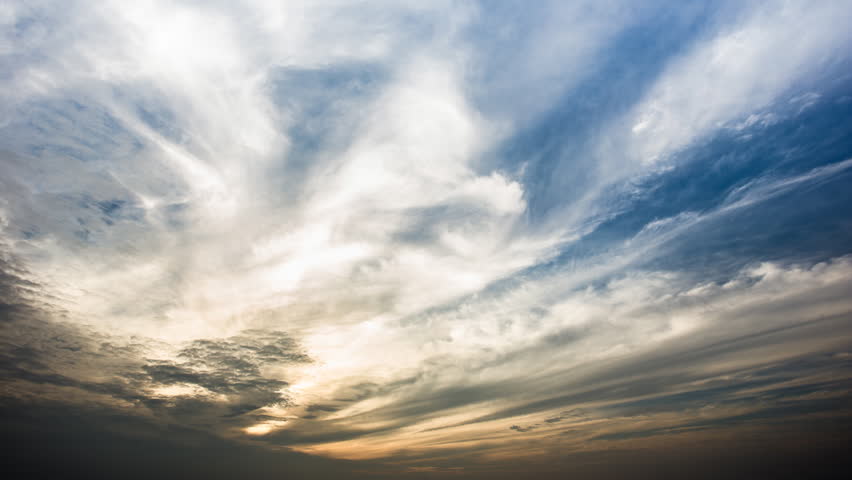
x=741 y=69
x=214 y=249
x=574 y=345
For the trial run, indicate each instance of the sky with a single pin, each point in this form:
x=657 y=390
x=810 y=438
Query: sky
x=405 y=239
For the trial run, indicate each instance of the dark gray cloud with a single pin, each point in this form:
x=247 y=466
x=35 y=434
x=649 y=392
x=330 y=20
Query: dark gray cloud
x=522 y=429
x=74 y=362
x=74 y=441
x=61 y=355
x=231 y=367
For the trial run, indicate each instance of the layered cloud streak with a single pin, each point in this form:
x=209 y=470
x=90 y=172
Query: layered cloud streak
x=424 y=235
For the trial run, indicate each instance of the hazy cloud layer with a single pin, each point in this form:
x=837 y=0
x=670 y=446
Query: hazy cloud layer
x=427 y=238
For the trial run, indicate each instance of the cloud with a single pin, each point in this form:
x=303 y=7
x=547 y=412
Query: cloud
x=410 y=232
x=232 y=368
x=521 y=429
x=164 y=114
x=727 y=75
x=48 y=360
x=652 y=341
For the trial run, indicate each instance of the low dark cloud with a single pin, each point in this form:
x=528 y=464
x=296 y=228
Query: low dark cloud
x=56 y=439
x=231 y=367
x=222 y=380
x=61 y=355
x=322 y=408
x=522 y=429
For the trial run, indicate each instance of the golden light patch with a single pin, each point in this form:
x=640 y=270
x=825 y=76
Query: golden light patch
x=263 y=428
x=259 y=429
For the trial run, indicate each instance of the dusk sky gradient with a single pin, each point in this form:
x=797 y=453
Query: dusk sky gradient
x=425 y=239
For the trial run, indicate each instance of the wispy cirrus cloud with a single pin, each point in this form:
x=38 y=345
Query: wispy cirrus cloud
x=422 y=234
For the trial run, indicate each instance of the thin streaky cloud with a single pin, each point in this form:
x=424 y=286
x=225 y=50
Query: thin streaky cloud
x=424 y=240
